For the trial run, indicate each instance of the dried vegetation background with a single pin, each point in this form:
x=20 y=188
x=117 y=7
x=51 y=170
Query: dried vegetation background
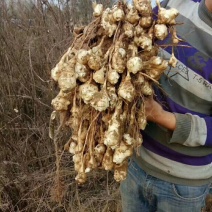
x=33 y=35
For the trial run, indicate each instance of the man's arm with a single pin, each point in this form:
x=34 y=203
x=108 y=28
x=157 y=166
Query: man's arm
x=188 y=129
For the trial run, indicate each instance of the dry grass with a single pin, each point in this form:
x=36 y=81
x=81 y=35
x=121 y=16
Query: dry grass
x=32 y=39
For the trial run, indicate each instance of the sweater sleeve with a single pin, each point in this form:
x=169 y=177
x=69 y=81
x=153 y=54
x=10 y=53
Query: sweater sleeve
x=192 y=130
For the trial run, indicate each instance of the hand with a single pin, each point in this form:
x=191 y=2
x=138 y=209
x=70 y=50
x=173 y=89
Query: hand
x=153 y=110
x=155 y=113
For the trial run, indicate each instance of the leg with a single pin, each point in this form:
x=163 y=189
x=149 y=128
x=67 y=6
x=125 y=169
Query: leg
x=134 y=197
x=208 y=201
x=175 y=198
x=142 y=192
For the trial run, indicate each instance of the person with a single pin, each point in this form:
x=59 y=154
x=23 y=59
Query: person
x=173 y=170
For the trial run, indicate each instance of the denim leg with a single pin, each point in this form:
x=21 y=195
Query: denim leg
x=141 y=192
x=131 y=196
x=135 y=192
x=175 y=198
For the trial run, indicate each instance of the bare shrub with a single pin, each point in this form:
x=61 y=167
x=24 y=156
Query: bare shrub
x=33 y=36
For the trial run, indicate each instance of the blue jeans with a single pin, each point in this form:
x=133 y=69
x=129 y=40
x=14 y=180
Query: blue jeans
x=141 y=192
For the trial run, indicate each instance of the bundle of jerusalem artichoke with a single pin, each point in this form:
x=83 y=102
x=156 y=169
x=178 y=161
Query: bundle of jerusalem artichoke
x=103 y=79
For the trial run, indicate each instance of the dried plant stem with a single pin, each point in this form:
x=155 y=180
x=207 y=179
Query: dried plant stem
x=146 y=75
x=171 y=45
x=87 y=135
x=58 y=183
x=88 y=34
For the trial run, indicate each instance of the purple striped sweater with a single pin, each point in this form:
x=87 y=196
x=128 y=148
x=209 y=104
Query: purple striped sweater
x=185 y=155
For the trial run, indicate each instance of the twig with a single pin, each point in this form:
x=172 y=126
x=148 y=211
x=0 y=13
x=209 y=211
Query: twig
x=150 y=78
x=168 y=45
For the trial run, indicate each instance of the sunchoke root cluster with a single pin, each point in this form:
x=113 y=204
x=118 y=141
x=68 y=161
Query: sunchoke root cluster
x=104 y=78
